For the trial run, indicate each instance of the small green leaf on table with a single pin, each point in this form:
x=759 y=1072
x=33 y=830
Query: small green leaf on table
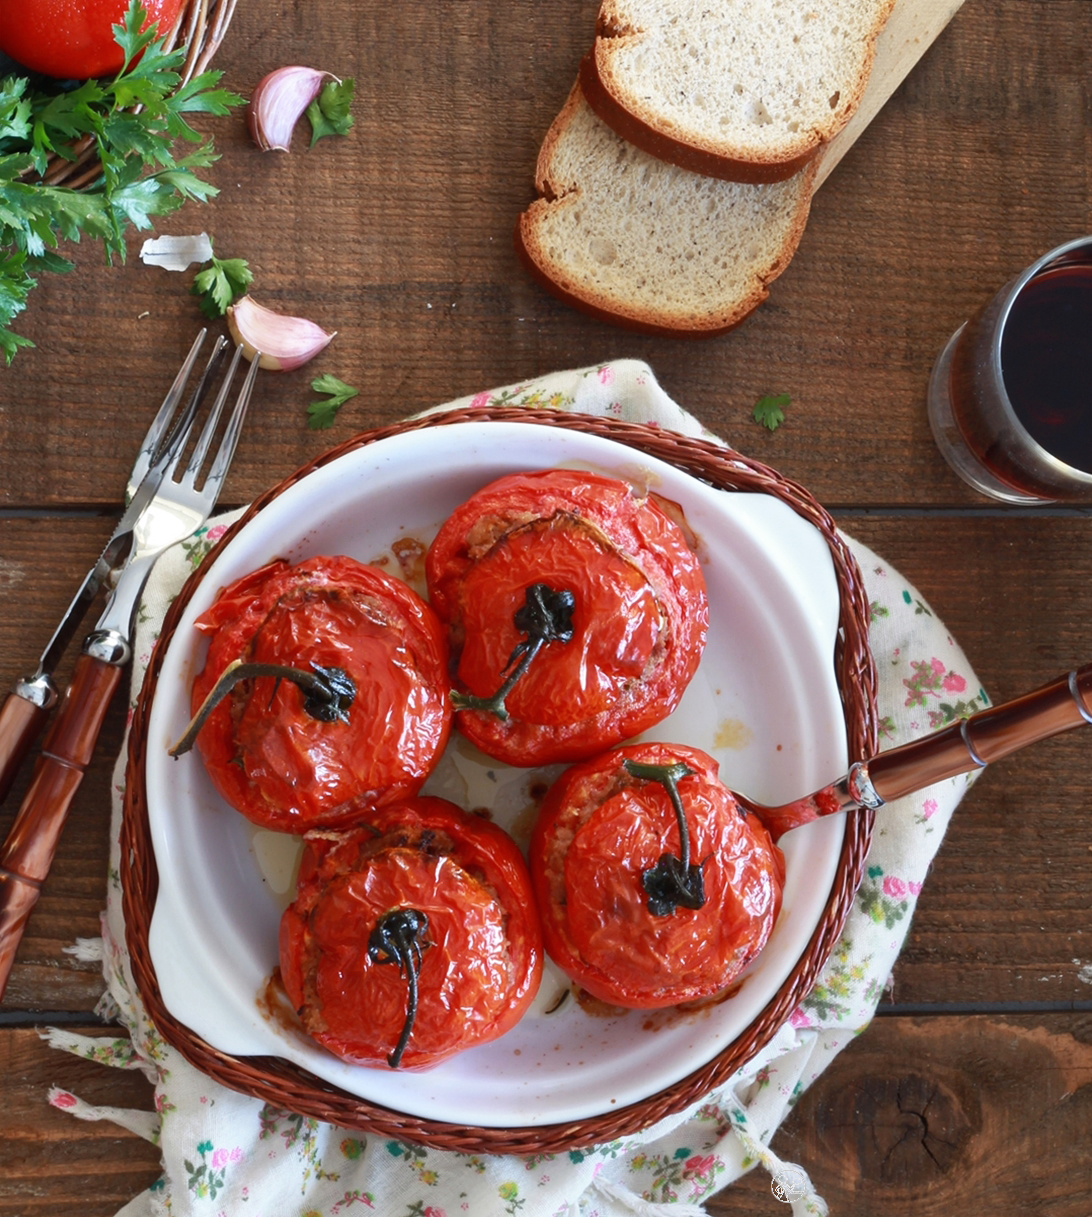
x=770 y=410
x=321 y=414
x=329 y=112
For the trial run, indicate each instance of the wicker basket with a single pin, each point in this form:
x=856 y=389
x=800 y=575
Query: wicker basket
x=287 y=1086
x=199 y=27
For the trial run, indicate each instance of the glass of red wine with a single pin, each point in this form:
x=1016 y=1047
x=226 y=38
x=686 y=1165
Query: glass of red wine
x=1010 y=396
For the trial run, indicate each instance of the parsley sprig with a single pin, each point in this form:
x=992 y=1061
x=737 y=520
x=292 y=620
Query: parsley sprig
x=321 y=413
x=133 y=121
x=329 y=113
x=220 y=284
x=770 y=410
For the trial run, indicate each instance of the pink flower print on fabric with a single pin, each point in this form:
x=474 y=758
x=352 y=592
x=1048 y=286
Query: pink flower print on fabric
x=63 y=1100
x=606 y=375
x=221 y=1157
x=799 y=1019
x=894 y=887
x=479 y=401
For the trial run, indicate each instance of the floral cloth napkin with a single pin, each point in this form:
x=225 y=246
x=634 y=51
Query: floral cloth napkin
x=225 y=1154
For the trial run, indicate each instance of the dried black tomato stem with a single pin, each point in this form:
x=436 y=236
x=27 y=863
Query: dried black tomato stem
x=545 y=616
x=399 y=937
x=673 y=880
x=329 y=694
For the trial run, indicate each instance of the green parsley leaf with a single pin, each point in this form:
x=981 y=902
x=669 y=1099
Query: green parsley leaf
x=329 y=112
x=321 y=414
x=130 y=124
x=220 y=284
x=769 y=412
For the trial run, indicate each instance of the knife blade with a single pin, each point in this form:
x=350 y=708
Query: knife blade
x=30 y=700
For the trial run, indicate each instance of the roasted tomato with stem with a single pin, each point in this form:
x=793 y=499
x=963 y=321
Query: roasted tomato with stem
x=653 y=886
x=412 y=936
x=324 y=693
x=73 y=39
x=576 y=610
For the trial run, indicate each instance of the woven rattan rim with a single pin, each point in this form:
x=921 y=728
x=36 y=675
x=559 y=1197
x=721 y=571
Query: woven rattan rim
x=287 y=1086
x=199 y=27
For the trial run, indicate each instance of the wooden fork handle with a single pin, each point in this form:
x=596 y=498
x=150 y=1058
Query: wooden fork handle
x=20 y=722
x=28 y=851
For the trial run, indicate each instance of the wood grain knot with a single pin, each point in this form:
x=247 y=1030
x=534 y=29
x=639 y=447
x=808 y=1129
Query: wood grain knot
x=905 y=1130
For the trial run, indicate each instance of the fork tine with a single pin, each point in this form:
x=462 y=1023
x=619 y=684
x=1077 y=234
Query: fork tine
x=171 y=448
x=204 y=440
x=161 y=422
x=211 y=490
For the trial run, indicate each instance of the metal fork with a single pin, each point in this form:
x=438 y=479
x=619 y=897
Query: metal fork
x=178 y=509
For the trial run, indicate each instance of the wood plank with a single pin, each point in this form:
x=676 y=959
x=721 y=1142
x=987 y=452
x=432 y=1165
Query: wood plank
x=916 y=1115
x=939 y=1115
x=400 y=238
x=51 y=1162
x=1003 y=914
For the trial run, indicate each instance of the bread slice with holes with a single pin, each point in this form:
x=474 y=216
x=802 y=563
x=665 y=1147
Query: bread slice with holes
x=746 y=90
x=639 y=242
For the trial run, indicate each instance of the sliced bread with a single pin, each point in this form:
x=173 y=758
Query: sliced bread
x=746 y=90
x=642 y=243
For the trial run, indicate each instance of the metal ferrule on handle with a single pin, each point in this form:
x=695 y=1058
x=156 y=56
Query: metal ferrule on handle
x=22 y=717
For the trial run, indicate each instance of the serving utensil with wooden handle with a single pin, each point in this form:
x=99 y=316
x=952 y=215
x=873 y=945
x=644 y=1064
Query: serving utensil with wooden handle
x=27 y=706
x=175 y=512
x=967 y=745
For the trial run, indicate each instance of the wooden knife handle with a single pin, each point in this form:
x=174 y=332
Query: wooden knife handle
x=20 y=722
x=28 y=851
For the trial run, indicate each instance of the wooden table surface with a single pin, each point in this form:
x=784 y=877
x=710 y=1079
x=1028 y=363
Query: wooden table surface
x=973 y=1086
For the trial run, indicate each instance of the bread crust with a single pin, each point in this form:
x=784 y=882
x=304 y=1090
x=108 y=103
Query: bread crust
x=642 y=126
x=629 y=314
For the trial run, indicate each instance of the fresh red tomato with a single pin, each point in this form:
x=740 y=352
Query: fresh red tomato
x=613 y=659
x=421 y=898
x=634 y=914
x=72 y=39
x=266 y=752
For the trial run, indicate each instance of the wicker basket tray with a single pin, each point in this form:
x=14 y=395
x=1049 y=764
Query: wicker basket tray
x=199 y=27
x=282 y=1083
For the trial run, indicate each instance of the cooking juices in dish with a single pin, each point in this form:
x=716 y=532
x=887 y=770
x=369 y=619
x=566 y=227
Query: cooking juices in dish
x=653 y=886
x=576 y=612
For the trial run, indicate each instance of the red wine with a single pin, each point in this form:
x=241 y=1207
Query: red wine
x=1046 y=362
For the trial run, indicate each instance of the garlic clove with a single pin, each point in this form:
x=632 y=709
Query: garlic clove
x=277 y=103
x=281 y=343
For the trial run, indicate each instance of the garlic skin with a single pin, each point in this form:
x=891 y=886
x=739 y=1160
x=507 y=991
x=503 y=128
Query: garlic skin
x=281 y=343
x=277 y=103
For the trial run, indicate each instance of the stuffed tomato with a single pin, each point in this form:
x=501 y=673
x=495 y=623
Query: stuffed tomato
x=576 y=612
x=412 y=936
x=653 y=887
x=324 y=693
